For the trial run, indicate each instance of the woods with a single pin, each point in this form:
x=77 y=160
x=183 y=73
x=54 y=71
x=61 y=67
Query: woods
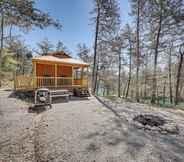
x=140 y=60
x=91 y=80
x=151 y=50
x=14 y=54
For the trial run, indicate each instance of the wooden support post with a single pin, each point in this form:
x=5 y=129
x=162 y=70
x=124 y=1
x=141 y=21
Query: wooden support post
x=34 y=75
x=72 y=76
x=55 y=75
x=82 y=76
x=15 y=80
x=87 y=77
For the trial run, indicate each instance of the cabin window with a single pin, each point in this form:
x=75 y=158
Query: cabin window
x=77 y=74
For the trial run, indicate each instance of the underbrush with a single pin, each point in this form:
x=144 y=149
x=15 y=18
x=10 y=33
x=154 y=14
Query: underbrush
x=160 y=101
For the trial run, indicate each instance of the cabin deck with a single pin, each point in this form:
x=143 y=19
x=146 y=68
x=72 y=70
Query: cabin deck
x=30 y=82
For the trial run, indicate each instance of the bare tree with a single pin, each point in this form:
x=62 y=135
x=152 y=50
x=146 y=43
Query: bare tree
x=170 y=75
x=178 y=77
x=106 y=24
x=137 y=49
x=83 y=52
x=44 y=47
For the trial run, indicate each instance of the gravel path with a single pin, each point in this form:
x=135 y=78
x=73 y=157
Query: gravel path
x=15 y=129
x=85 y=131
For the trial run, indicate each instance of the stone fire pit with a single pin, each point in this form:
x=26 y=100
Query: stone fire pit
x=155 y=123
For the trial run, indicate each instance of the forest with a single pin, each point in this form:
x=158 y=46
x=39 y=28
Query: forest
x=91 y=80
x=140 y=61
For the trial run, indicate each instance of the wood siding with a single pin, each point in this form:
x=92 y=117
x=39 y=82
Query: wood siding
x=49 y=70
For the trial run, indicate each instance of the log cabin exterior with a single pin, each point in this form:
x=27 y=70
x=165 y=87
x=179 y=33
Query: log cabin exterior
x=54 y=71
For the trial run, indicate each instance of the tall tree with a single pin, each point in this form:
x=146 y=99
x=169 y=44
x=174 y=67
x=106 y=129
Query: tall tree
x=159 y=16
x=2 y=42
x=178 y=77
x=61 y=47
x=117 y=48
x=137 y=7
x=106 y=23
x=21 y=54
x=128 y=37
x=83 y=52
x=44 y=47
x=137 y=49
x=170 y=72
x=23 y=14
x=97 y=19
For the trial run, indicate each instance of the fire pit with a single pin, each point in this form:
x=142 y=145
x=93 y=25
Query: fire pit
x=150 y=120
x=155 y=123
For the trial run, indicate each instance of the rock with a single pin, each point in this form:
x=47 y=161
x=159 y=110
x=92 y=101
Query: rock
x=172 y=128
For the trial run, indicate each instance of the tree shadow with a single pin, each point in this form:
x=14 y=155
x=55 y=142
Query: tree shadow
x=57 y=100
x=27 y=96
x=114 y=132
x=75 y=98
x=109 y=107
x=38 y=109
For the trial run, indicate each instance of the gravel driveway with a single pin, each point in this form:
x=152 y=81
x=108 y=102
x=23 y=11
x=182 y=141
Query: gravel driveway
x=16 y=125
x=86 y=131
x=83 y=130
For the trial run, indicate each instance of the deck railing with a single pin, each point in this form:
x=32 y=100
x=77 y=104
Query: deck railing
x=53 y=81
x=31 y=82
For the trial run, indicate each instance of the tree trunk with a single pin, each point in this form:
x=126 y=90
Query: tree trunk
x=170 y=79
x=155 y=61
x=94 y=78
x=164 y=92
x=1 y=48
x=10 y=32
x=119 y=75
x=137 y=51
x=178 y=77
x=130 y=70
x=97 y=87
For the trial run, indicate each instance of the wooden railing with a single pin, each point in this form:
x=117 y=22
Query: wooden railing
x=53 y=81
x=24 y=82
x=31 y=82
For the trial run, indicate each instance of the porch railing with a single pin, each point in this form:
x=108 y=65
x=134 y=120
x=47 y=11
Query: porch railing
x=31 y=82
x=53 y=81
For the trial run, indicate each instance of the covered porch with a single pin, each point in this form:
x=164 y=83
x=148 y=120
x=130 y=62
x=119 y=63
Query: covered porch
x=54 y=74
x=60 y=75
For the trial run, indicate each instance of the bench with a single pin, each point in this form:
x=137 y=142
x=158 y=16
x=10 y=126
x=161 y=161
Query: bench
x=61 y=93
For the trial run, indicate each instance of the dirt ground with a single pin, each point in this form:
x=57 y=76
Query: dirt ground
x=83 y=130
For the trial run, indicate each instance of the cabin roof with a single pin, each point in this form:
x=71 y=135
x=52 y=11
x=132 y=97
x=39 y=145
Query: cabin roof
x=60 y=54
x=50 y=58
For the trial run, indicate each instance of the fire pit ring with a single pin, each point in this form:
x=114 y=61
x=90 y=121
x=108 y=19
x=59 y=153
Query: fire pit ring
x=155 y=123
x=151 y=120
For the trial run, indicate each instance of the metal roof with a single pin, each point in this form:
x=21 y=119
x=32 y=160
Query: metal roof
x=50 y=58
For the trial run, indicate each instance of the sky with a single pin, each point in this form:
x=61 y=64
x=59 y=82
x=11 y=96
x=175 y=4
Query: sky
x=74 y=16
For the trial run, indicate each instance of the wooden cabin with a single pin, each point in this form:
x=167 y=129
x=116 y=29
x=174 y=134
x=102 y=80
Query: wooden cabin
x=55 y=71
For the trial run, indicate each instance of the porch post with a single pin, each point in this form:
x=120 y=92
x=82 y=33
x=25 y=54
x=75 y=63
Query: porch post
x=82 y=75
x=87 y=76
x=72 y=76
x=55 y=70
x=34 y=75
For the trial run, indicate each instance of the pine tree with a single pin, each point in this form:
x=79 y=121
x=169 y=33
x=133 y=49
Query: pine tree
x=107 y=22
